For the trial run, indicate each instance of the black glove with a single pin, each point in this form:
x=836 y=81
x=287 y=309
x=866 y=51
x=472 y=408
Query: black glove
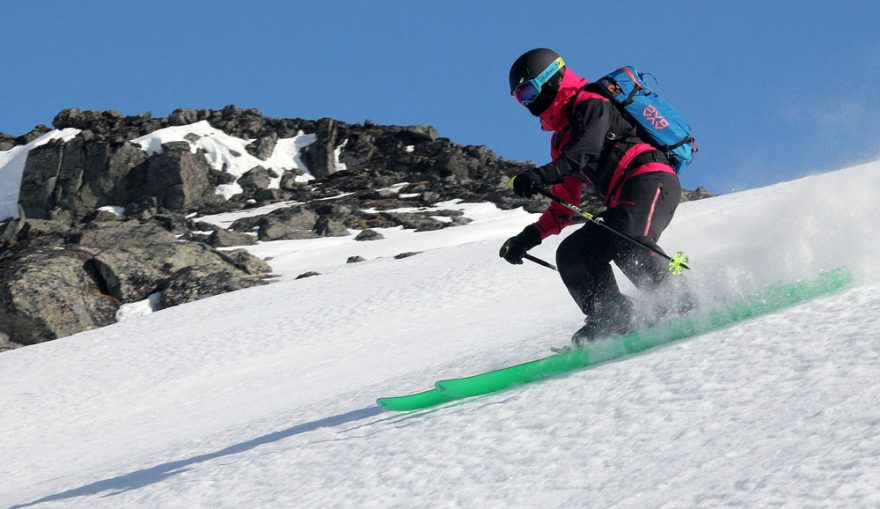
x=515 y=248
x=527 y=183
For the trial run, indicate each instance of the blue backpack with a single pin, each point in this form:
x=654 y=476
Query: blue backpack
x=658 y=121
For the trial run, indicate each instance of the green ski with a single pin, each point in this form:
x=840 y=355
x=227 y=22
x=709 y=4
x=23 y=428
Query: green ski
x=694 y=324
x=424 y=399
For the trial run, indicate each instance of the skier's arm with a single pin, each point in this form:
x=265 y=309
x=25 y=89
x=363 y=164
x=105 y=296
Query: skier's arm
x=556 y=217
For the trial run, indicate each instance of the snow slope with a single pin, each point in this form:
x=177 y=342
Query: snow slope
x=265 y=397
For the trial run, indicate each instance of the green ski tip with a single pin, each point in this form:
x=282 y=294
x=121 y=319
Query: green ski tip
x=424 y=399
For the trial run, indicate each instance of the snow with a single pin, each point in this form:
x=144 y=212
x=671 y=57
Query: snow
x=265 y=397
x=12 y=163
x=152 y=303
x=114 y=209
x=337 y=152
x=228 y=153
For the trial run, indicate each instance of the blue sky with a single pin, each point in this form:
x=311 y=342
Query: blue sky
x=775 y=90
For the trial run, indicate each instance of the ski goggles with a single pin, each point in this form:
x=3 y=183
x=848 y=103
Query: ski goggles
x=527 y=91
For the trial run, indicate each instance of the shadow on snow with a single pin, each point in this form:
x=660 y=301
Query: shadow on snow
x=152 y=475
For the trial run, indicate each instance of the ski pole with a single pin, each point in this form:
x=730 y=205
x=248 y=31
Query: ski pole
x=677 y=262
x=539 y=261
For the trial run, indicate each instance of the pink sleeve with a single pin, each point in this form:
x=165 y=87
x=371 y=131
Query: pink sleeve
x=557 y=217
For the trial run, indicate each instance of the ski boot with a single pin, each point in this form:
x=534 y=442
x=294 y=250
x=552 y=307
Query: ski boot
x=606 y=321
x=593 y=331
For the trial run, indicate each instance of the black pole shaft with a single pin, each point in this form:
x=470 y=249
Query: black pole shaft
x=540 y=261
x=578 y=210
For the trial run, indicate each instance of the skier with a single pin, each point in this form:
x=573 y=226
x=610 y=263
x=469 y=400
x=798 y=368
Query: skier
x=593 y=145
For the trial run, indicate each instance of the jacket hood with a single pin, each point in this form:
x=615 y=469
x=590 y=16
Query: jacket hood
x=555 y=117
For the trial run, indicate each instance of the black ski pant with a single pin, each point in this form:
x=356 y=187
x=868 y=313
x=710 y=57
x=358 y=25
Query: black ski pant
x=647 y=204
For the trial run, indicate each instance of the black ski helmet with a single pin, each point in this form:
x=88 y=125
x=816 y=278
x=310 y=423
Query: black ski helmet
x=528 y=66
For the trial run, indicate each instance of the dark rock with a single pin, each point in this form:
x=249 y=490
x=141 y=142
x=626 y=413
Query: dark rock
x=35 y=133
x=369 y=235
x=288 y=223
x=406 y=255
x=195 y=237
x=197 y=282
x=421 y=133
x=289 y=183
x=245 y=261
x=446 y=213
x=177 y=178
x=7 y=141
x=699 y=193
x=183 y=116
x=38 y=179
x=9 y=231
x=326 y=227
x=246 y=224
x=255 y=179
x=355 y=259
x=174 y=223
x=272 y=230
x=338 y=211
x=264 y=146
x=221 y=177
x=34 y=228
x=320 y=156
x=226 y=238
x=144 y=208
x=202 y=226
x=106 y=177
x=132 y=259
x=267 y=196
x=232 y=111
x=176 y=146
x=6 y=343
x=382 y=194
x=308 y=274
x=367 y=221
x=418 y=222
x=85 y=120
x=46 y=293
x=429 y=198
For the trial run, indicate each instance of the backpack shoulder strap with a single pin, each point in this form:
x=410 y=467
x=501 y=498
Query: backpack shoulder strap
x=572 y=104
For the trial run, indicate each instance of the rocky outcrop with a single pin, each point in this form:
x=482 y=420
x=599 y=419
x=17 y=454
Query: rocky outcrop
x=7 y=141
x=102 y=167
x=198 y=281
x=48 y=292
x=176 y=179
x=222 y=237
x=60 y=278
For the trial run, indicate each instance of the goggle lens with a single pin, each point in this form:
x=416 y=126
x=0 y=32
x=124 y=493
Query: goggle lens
x=526 y=93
